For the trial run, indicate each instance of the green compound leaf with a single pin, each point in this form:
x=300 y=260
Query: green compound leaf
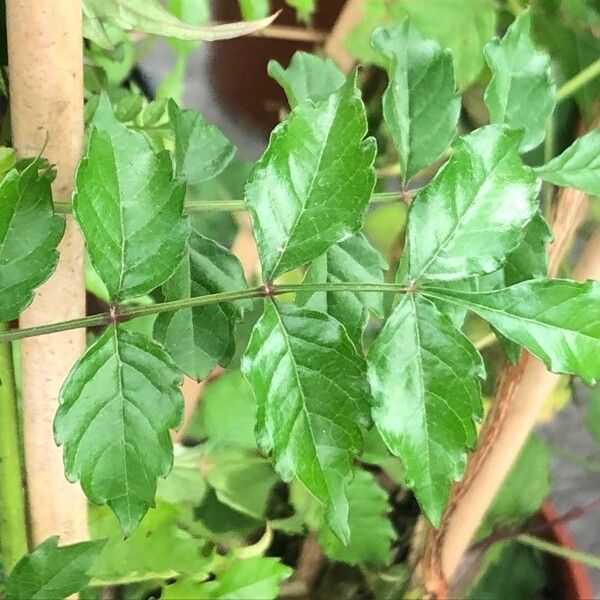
x=129 y=208
x=312 y=185
x=116 y=408
x=29 y=235
x=578 y=166
x=313 y=398
x=423 y=374
x=201 y=150
x=473 y=212
x=52 y=571
x=255 y=578
x=371 y=532
x=558 y=320
x=201 y=337
x=421 y=105
x=353 y=260
x=307 y=77
x=463 y=26
x=520 y=93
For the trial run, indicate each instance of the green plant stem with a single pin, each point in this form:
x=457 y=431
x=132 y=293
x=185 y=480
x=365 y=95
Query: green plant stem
x=121 y=314
x=195 y=206
x=576 y=83
x=583 y=557
x=13 y=524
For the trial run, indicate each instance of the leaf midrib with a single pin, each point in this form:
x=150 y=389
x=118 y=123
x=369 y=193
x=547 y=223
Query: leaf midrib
x=302 y=394
x=309 y=190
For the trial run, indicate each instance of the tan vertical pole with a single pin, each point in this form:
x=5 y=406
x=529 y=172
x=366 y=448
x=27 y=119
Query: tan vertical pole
x=335 y=48
x=46 y=100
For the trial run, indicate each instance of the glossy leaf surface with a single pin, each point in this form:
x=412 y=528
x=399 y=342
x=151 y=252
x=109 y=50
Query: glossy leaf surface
x=578 y=166
x=116 y=409
x=353 y=260
x=129 y=208
x=201 y=150
x=312 y=396
x=472 y=214
x=312 y=185
x=29 y=235
x=520 y=93
x=201 y=337
x=558 y=321
x=52 y=571
x=421 y=105
x=307 y=77
x=371 y=532
x=423 y=374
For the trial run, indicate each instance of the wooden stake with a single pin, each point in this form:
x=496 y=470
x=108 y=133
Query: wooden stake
x=46 y=98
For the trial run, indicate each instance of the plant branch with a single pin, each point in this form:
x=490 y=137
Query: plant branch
x=195 y=206
x=121 y=314
x=13 y=521
x=583 y=557
x=576 y=83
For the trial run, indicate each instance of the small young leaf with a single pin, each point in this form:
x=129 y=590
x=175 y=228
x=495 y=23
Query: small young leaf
x=116 y=408
x=233 y=393
x=52 y=571
x=29 y=235
x=304 y=8
x=423 y=374
x=201 y=150
x=241 y=480
x=463 y=26
x=558 y=320
x=311 y=187
x=157 y=549
x=201 y=337
x=129 y=208
x=254 y=9
x=520 y=93
x=530 y=259
x=578 y=166
x=473 y=213
x=307 y=77
x=421 y=105
x=256 y=578
x=313 y=398
x=371 y=532
x=356 y=260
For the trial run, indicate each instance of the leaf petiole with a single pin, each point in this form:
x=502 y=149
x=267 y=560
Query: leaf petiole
x=120 y=314
x=194 y=206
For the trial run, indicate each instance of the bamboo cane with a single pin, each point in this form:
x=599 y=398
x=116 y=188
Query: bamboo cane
x=46 y=98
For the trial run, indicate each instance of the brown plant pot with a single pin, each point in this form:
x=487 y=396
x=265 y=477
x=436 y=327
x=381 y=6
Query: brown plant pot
x=238 y=68
x=571 y=575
